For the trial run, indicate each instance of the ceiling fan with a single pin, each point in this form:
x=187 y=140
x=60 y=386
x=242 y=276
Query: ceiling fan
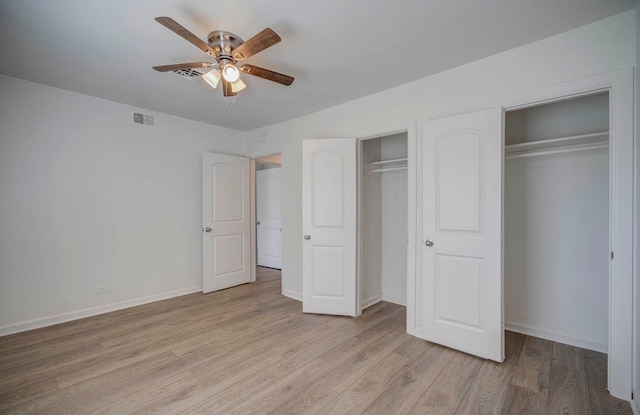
x=227 y=49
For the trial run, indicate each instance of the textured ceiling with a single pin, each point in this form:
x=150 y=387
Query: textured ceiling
x=337 y=50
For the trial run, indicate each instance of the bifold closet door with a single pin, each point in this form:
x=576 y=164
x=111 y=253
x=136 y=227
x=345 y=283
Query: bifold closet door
x=461 y=236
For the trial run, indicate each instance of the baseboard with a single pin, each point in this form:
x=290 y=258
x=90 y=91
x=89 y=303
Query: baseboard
x=556 y=337
x=394 y=300
x=292 y=294
x=371 y=301
x=415 y=331
x=93 y=311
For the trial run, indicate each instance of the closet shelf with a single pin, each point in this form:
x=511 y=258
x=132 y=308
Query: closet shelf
x=558 y=145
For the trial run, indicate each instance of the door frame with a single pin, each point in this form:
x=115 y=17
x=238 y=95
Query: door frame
x=254 y=234
x=254 y=173
x=407 y=127
x=619 y=84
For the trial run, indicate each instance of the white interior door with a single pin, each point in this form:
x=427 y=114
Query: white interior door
x=329 y=226
x=461 y=238
x=269 y=222
x=226 y=221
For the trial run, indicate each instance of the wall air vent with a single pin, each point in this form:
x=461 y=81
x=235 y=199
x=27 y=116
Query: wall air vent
x=144 y=119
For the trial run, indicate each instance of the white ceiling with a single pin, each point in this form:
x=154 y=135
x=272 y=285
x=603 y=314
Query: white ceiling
x=336 y=50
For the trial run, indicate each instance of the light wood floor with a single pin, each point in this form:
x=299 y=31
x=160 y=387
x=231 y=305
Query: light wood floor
x=249 y=350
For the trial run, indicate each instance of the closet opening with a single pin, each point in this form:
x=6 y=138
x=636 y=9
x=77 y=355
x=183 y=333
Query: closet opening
x=382 y=220
x=557 y=221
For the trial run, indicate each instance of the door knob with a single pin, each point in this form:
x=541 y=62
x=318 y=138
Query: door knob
x=429 y=243
x=258 y=223
x=207 y=229
x=307 y=237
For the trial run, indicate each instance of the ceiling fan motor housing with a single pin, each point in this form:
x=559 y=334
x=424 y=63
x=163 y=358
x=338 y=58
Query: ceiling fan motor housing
x=224 y=43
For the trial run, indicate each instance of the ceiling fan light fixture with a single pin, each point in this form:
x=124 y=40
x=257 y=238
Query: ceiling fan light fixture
x=230 y=73
x=238 y=86
x=227 y=49
x=212 y=78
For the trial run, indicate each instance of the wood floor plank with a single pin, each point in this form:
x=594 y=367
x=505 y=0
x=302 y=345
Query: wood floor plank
x=487 y=394
x=221 y=403
x=405 y=391
x=104 y=388
x=307 y=401
x=359 y=395
x=13 y=342
x=68 y=343
x=256 y=382
x=568 y=391
x=450 y=386
x=72 y=328
x=80 y=400
x=104 y=362
x=534 y=365
x=348 y=328
x=413 y=348
x=47 y=367
x=349 y=346
x=270 y=399
x=569 y=356
x=136 y=401
x=519 y=400
x=294 y=345
x=251 y=350
x=600 y=400
x=26 y=392
x=234 y=367
x=16 y=350
x=361 y=361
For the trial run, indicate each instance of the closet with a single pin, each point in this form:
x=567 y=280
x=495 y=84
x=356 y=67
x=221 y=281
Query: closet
x=556 y=221
x=383 y=220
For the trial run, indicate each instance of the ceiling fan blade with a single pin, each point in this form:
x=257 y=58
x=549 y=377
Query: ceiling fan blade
x=267 y=74
x=178 y=66
x=175 y=27
x=226 y=89
x=256 y=44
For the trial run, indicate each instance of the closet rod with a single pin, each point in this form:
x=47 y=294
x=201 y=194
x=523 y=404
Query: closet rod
x=388 y=169
x=388 y=161
x=559 y=142
x=557 y=150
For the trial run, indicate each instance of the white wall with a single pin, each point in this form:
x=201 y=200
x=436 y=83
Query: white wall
x=596 y=48
x=556 y=245
x=394 y=222
x=87 y=198
x=636 y=324
x=371 y=227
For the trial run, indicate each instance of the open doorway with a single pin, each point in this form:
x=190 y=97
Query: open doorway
x=269 y=211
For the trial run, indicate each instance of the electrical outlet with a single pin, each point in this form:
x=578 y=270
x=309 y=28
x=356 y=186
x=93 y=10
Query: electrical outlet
x=101 y=289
